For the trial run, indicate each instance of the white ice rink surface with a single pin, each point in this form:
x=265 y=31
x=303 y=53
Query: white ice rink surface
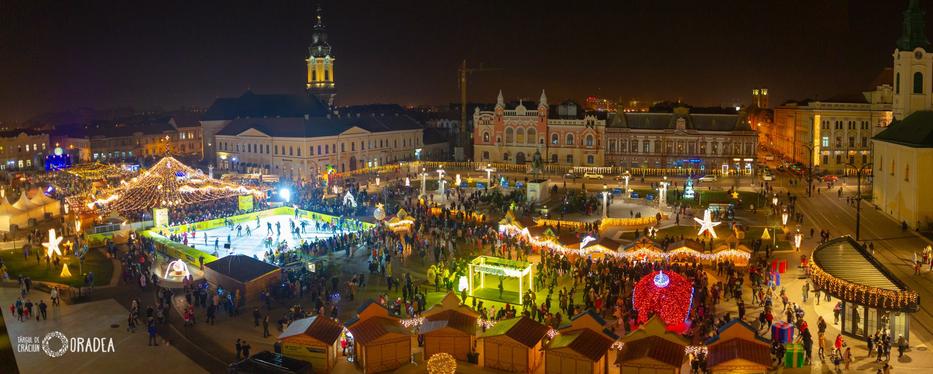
x=254 y=244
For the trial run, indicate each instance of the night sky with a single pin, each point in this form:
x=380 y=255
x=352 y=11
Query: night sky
x=59 y=55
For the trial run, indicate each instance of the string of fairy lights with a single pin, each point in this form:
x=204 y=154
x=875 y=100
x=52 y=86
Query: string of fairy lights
x=864 y=295
x=168 y=183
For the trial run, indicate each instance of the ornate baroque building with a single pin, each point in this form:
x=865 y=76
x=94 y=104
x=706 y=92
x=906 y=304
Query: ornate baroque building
x=321 y=64
x=681 y=140
x=563 y=135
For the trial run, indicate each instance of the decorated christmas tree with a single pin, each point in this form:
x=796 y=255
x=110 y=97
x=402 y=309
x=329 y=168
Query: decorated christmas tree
x=688 y=189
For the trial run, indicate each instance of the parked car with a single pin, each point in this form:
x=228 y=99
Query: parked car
x=592 y=176
x=708 y=178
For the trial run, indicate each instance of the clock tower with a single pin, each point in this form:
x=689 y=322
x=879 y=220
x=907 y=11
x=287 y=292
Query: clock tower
x=320 y=80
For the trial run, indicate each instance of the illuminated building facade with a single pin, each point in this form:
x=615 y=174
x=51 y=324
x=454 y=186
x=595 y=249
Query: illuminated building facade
x=760 y=97
x=320 y=61
x=23 y=149
x=563 y=135
x=681 y=139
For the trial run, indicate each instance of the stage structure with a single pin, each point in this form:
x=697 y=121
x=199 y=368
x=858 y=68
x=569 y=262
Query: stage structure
x=484 y=265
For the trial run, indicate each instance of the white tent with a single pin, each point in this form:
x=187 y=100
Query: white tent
x=10 y=216
x=30 y=209
x=47 y=204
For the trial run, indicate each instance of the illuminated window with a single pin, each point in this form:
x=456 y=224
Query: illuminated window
x=485 y=155
x=532 y=135
x=555 y=139
x=520 y=136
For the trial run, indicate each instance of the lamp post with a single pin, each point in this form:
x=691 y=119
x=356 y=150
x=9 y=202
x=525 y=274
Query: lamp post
x=784 y=217
x=605 y=201
x=858 y=197
x=423 y=181
x=626 y=177
x=662 y=198
x=440 y=181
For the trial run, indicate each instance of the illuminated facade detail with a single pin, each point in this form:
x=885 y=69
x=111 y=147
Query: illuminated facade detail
x=563 y=134
x=320 y=81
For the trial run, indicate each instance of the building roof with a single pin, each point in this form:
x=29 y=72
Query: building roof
x=912 y=29
x=656 y=348
x=737 y=324
x=851 y=97
x=586 y=342
x=376 y=327
x=251 y=105
x=319 y=126
x=734 y=349
x=885 y=77
x=694 y=121
x=524 y=330
x=452 y=319
x=915 y=130
x=240 y=267
x=435 y=136
x=320 y=328
x=16 y=132
x=844 y=258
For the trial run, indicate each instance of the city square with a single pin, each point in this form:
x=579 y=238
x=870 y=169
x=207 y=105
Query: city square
x=265 y=228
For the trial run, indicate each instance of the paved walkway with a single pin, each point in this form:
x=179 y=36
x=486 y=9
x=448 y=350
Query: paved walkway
x=92 y=319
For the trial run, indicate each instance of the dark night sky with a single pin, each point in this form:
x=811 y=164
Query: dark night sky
x=58 y=55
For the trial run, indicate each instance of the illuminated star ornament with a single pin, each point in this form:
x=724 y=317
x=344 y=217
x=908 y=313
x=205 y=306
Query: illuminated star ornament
x=707 y=224
x=52 y=245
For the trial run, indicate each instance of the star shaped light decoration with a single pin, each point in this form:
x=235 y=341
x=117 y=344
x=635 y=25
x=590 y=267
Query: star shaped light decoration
x=707 y=224
x=52 y=245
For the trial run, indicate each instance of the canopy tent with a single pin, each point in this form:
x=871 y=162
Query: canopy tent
x=96 y=171
x=47 y=204
x=27 y=206
x=168 y=183
x=9 y=216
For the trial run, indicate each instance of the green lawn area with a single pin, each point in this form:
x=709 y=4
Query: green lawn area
x=94 y=261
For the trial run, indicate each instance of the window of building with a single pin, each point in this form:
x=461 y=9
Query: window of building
x=838 y=142
x=838 y=159
x=299 y=151
x=864 y=142
x=485 y=138
x=485 y=155
x=907 y=173
x=715 y=148
x=590 y=159
x=646 y=146
x=892 y=168
x=318 y=149
x=520 y=136
x=897 y=83
x=326 y=75
x=509 y=135
x=569 y=139
x=864 y=159
x=267 y=149
x=825 y=159
x=825 y=125
x=918 y=83
x=311 y=151
x=554 y=159
x=825 y=142
x=569 y=159
x=505 y=156
x=589 y=140
x=554 y=139
x=532 y=135
x=851 y=160
x=291 y=151
x=635 y=146
x=851 y=142
x=352 y=147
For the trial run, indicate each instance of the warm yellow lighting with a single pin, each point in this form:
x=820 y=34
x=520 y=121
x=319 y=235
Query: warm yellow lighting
x=65 y=272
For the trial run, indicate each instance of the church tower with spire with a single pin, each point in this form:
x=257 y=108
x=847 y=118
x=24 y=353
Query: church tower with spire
x=320 y=61
x=913 y=65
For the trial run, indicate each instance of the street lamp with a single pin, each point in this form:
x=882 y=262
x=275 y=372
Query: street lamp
x=662 y=199
x=784 y=216
x=858 y=197
x=605 y=201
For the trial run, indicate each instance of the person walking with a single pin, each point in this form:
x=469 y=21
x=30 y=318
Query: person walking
x=847 y=357
x=901 y=345
x=239 y=350
x=152 y=334
x=43 y=308
x=805 y=290
x=265 y=326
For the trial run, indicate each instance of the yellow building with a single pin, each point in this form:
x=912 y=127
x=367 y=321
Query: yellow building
x=903 y=153
x=320 y=64
x=833 y=133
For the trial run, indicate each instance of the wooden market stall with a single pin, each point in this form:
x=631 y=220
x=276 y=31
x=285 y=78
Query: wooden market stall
x=244 y=275
x=312 y=339
x=653 y=349
x=402 y=222
x=687 y=250
x=577 y=351
x=643 y=248
x=512 y=345
x=449 y=327
x=380 y=341
x=737 y=348
x=601 y=247
x=739 y=256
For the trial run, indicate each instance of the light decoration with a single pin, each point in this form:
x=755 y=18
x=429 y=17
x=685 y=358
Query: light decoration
x=587 y=240
x=379 y=213
x=707 y=224
x=349 y=200
x=696 y=350
x=65 y=272
x=617 y=345
x=689 y=193
x=671 y=302
x=551 y=333
x=784 y=217
x=735 y=195
x=167 y=183
x=176 y=269
x=51 y=247
x=864 y=295
x=407 y=182
x=485 y=323
x=442 y=363
x=798 y=238
x=412 y=322
x=501 y=267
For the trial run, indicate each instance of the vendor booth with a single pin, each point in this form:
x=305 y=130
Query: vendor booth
x=737 y=348
x=244 y=275
x=577 y=351
x=512 y=345
x=312 y=339
x=653 y=349
x=380 y=342
x=10 y=216
x=449 y=327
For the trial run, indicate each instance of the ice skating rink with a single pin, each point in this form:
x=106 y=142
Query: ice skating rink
x=253 y=241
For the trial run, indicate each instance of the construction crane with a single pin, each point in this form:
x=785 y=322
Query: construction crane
x=464 y=142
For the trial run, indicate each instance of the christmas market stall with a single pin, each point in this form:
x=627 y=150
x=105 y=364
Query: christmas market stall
x=599 y=248
x=738 y=256
x=512 y=345
x=873 y=299
x=380 y=342
x=737 y=348
x=242 y=275
x=11 y=217
x=401 y=222
x=643 y=249
x=582 y=346
x=482 y=266
x=652 y=348
x=686 y=250
x=449 y=327
x=312 y=339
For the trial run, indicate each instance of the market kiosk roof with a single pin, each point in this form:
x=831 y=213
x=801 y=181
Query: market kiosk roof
x=845 y=259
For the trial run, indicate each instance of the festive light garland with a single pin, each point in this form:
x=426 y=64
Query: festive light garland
x=485 y=323
x=412 y=322
x=617 y=345
x=167 y=183
x=551 y=333
x=696 y=349
x=864 y=295
x=442 y=363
